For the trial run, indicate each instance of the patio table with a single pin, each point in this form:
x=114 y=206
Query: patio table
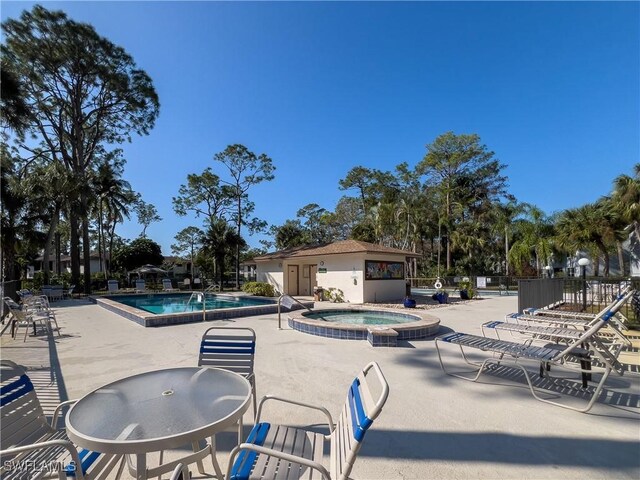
x=159 y=410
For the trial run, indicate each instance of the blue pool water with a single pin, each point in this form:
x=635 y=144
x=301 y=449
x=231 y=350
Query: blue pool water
x=360 y=317
x=179 y=302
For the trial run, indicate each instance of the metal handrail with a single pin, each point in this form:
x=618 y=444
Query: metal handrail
x=292 y=298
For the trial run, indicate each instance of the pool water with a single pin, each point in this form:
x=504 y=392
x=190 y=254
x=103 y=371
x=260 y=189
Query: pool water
x=361 y=317
x=179 y=303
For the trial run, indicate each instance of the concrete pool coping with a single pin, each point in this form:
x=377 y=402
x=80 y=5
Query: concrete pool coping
x=147 y=319
x=387 y=335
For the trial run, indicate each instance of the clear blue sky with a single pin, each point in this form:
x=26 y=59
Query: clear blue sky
x=552 y=88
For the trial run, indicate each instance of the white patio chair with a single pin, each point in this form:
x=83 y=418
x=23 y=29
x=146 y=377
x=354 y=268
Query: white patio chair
x=574 y=355
x=28 y=440
x=230 y=348
x=167 y=286
x=180 y=473
x=140 y=286
x=57 y=293
x=21 y=318
x=282 y=452
x=112 y=286
x=39 y=306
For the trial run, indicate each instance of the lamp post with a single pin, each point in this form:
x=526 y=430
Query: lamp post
x=583 y=262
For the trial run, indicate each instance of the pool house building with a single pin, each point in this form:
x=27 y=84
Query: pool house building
x=363 y=272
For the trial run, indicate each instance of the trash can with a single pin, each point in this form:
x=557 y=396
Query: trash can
x=317 y=294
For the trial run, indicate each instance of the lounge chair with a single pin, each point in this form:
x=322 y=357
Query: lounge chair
x=140 y=286
x=56 y=293
x=21 y=318
x=69 y=292
x=28 y=440
x=112 y=286
x=38 y=305
x=167 y=286
x=230 y=348
x=283 y=452
x=550 y=310
x=574 y=355
x=616 y=327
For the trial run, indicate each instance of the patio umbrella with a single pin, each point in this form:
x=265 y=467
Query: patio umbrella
x=149 y=269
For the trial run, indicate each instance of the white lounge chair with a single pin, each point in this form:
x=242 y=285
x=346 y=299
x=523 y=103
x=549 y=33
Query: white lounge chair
x=28 y=440
x=21 y=318
x=140 y=286
x=572 y=355
x=282 y=452
x=167 y=286
x=112 y=286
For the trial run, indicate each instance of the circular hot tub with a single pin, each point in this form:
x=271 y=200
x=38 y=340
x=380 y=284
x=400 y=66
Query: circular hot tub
x=364 y=323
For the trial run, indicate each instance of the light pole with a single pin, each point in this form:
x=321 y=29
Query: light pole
x=583 y=262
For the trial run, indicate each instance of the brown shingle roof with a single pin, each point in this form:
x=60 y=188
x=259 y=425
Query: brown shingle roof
x=335 y=248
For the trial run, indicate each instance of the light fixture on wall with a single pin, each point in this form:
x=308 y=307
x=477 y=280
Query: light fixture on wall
x=280 y=265
x=321 y=263
x=354 y=276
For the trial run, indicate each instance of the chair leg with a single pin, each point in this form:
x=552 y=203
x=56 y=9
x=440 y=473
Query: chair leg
x=199 y=463
x=255 y=399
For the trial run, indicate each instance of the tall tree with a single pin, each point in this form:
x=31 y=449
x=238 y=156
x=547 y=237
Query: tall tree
x=203 y=195
x=187 y=240
x=463 y=171
x=246 y=169
x=83 y=92
x=114 y=200
x=147 y=214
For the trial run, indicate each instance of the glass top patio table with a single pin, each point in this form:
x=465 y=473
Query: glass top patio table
x=158 y=410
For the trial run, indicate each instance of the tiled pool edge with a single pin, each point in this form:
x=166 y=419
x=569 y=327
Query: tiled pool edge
x=147 y=319
x=378 y=335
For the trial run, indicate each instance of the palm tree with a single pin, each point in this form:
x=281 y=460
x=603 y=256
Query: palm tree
x=114 y=198
x=220 y=240
x=534 y=233
x=626 y=198
x=591 y=227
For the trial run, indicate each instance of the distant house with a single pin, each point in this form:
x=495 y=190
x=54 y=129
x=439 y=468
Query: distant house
x=178 y=267
x=364 y=272
x=65 y=264
x=248 y=270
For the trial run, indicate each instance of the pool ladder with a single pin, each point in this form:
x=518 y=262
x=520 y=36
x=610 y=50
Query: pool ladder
x=288 y=303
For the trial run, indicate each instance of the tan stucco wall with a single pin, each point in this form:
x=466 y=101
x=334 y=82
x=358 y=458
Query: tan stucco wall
x=340 y=274
x=271 y=272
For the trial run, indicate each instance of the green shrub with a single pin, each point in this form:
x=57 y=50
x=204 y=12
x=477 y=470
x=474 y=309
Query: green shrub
x=468 y=286
x=334 y=295
x=259 y=288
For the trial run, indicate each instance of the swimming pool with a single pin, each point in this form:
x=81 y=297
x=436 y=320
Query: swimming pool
x=380 y=327
x=362 y=317
x=160 y=309
x=183 y=302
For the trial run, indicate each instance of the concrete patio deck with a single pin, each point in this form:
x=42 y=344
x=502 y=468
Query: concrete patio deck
x=433 y=425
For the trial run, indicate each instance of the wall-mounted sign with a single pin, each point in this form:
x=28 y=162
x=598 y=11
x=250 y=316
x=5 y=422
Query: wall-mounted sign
x=376 y=270
x=322 y=270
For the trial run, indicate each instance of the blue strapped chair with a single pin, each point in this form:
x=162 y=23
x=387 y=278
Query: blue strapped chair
x=282 y=452
x=230 y=348
x=33 y=448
